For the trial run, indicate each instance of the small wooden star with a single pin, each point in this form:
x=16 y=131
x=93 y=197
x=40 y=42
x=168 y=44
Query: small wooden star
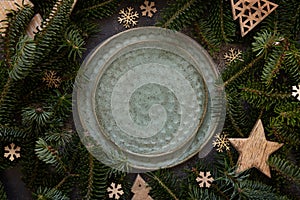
x=255 y=150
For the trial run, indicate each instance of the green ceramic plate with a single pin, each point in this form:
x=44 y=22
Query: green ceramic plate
x=148 y=98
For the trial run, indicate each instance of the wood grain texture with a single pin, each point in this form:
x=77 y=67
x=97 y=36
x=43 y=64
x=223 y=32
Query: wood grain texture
x=255 y=150
x=33 y=26
x=140 y=189
x=251 y=12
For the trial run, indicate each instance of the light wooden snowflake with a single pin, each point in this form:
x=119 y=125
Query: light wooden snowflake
x=128 y=17
x=233 y=56
x=115 y=192
x=12 y=151
x=148 y=9
x=221 y=142
x=204 y=180
x=51 y=79
x=296 y=91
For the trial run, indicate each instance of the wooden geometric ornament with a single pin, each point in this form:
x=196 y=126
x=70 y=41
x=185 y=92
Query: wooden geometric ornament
x=251 y=12
x=255 y=150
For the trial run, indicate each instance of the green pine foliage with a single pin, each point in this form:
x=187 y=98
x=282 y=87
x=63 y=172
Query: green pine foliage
x=182 y=13
x=38 y=117
x=163 y=184
x=2 y=192
x=94 y=9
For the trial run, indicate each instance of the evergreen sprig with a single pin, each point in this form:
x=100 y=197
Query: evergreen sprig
x=181 y=13
x=2 y=192
x=50 y=193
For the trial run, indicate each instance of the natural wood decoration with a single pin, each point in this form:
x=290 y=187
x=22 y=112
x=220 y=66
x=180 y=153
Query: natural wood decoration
x=140 y=189
x=251 y=12
x=204 y=179
x=296 y=91
x=33 y=25
x=255 y=150
x=6 y=6
x=128 y=17
x=148 y=8
x=115 y=191
x=73 y=5
x=12 y=151
x=51 y=79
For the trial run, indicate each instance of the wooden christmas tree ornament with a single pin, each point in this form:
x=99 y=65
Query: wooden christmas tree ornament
x=251 y=12
x=140 y=189
x=255 y=150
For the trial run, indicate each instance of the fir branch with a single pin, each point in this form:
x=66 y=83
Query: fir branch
x=273 y=65
x=35 y=118
x=22 y=61
x=256 y=190
x=288 y=114
x=289 y=18
x=49 y=155
x=285 y=168
x=64 y=180
x=261 y=97
x=220 y=22
x=90 y=178
x=182 y=13
x=2 y=192
x=11 y=134
x=292 y=61
x=17 y=22
x=243 y=70
x=230 y=113
x=49 y=35
x=265 y=41
x=203 y=34
x=94 y=9
x=9 y=103
x=73 y=42
x=5 y=90
x=162 y=185
x=179 y=12
x=196 y=193
x=48 y=193
x=284 y=133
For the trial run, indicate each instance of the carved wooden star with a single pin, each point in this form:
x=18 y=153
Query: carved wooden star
x=254 y=150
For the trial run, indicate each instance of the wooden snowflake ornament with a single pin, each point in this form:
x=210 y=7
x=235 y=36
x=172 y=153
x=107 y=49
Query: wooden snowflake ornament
x=128 y=18
x=12 y=151
x=51 y=79
x=251 y=12
x=255 y=150
x=221 y=142
x=148 y=9
x=115 y=192
x=140 y=189
x=204 y=179
x=296 y=91
x=233 y=56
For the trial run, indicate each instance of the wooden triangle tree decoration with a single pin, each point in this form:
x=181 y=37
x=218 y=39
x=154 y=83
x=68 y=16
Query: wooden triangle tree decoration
x=251 y=12
x=140 y=189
